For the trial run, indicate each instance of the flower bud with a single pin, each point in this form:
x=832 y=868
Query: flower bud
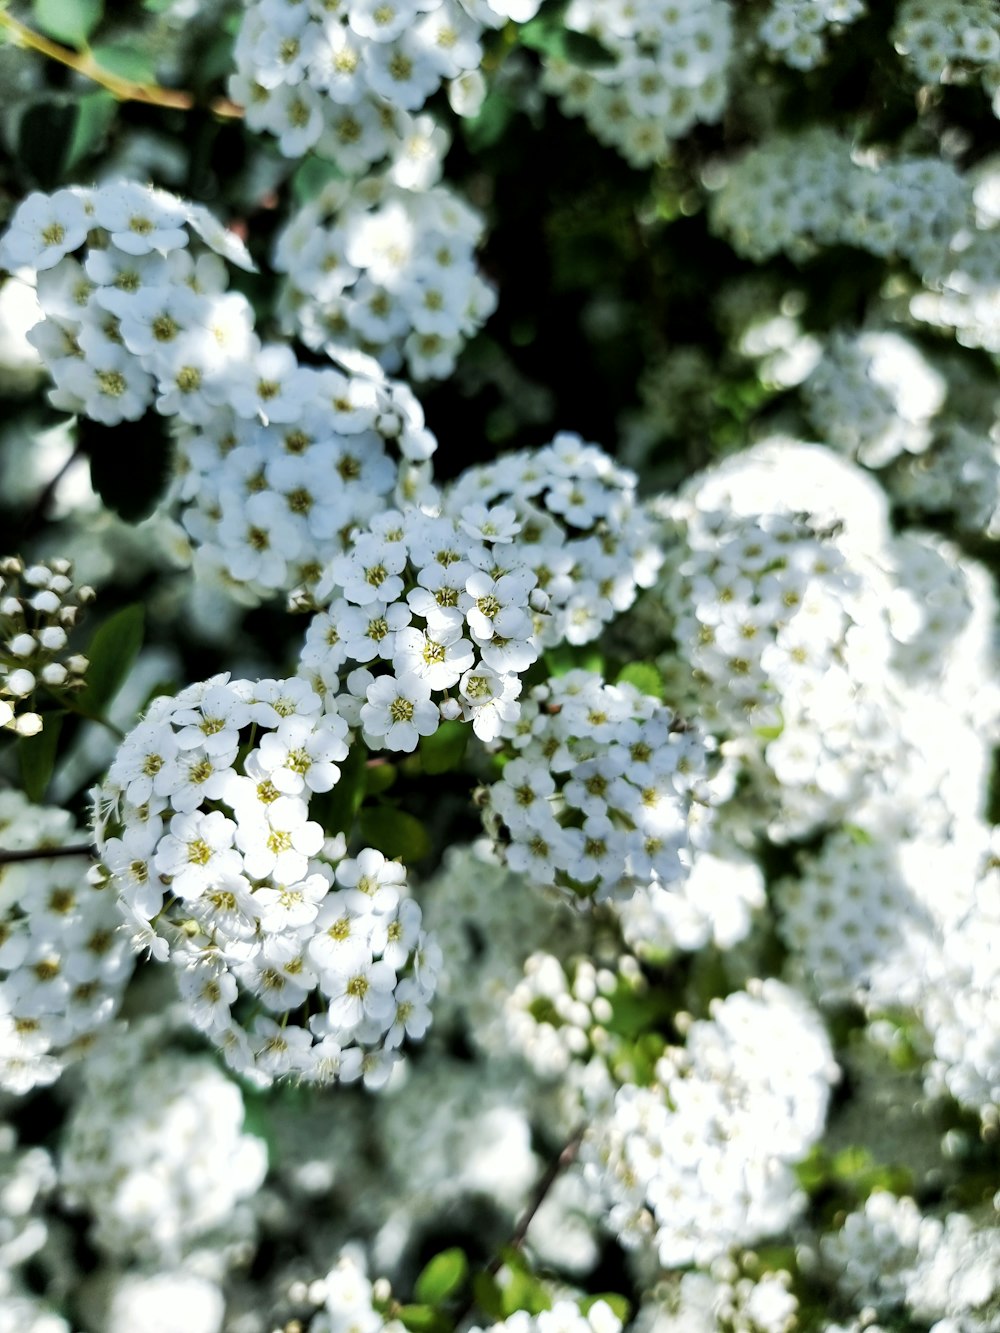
x=22 y=645
x=451 y=710
x=54 y=674
x=28 y=724
x=47 y=602
x=77 y=664
x=53 y=638
x=20 y=683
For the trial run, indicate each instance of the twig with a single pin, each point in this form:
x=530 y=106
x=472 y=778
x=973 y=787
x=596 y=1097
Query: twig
x=37 y=513
x=126 y=90
x=45 y=853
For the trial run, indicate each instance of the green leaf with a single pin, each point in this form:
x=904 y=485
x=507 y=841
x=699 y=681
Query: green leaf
x=69 y=21
x=380 y=778
x=422 y=1319
x=311 y=176
x=127 y=61
x=488 y=127
x=443 y=752
x=524 y=1291
x=394 y=833
x=129 y=463
x=112 y=652
x=565 y=658
x=94 y=113
x=37 y=755
x=620 y=1304
x=644 y=676
x=44 y=137
x=442 y=1277
x=336 y=810
x=560 y=43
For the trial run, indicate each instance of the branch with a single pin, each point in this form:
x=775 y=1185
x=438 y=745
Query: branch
x=45 y=853
x=126 y=90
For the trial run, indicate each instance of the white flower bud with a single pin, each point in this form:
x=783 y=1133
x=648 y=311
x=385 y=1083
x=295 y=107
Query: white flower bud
x=6 y=713
x=22 y=645
x=538 y=599
x=20 y=683
x=38 y=576
x=46 y=602
x=68 y=616
x=54 y=674
x=28 y=724
x=61 y=584
x=85 y=594
x=53 y=638
x=77 y=664
x=10 y=606
x=451 y=710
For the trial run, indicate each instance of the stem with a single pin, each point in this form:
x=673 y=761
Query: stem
x=66 y=701
x=48 y=491
x=126 y=90
x=45 y=853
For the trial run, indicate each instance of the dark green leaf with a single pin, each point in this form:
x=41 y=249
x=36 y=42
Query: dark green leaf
x=379 y=778
x=44 y=139
x=644 y=676
x=488 y=1295
x=394 y=833
x=336 y=810
x=422 y=1319
x=443 y=752
x=129 y=463
x=557 y=42
x=311 y=176
x=112 y=652
x=37 y=756
x=69 y=21
x=442 y=1277
x=127 y=61
x=94 y=114
x=484 y=130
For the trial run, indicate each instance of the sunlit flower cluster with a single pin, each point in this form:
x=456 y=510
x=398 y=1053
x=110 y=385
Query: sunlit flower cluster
x=956 y=42
x=794 y=31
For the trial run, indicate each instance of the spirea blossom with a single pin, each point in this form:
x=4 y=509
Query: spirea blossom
x=597 y=790
x=203 y=827
x=64 y=963
x=388 y=270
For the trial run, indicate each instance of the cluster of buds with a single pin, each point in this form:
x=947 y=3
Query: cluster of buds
x=39 y=606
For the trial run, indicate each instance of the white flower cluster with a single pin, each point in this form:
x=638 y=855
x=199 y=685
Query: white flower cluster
x=700 y=1160
x=564 y=1317
x=389 y=270
x=889 y=1257
x=875 y=396
x=203 y=825
x=669 y=71
x=793 y=31
x=582 y=530
x=348 y=1300
x=965 y=295
x=597 y=790
x=268 y=503
x=155 y=1151
x=39 y=606
x=434 y=604
x=724 y=1297
x=64 y=963
x=140 y=319
x=798 y=193
x=951 y=41
x=342 y=80
x=27 y=1178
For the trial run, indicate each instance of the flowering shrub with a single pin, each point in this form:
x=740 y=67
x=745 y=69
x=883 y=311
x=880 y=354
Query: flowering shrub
x=457 y=876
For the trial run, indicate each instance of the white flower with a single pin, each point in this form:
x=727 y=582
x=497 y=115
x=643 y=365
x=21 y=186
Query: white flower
x=399 y=711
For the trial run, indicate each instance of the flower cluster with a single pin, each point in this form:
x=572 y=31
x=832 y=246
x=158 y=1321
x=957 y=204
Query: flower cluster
x=953 y=43
x=874 y=396
x=597 y=790
x=203 y=826
x=39 y=606
x=343 y=80
x=581 y=530
x=389 y=270
x=155 y=1151
x=734 y=1295
x=564 y=1317
x=268 y=504
x=669 y=71
x=793 y=31
x=441 y=610
x=64 y=964
x=139 y=319
x=800 y=192
x=701 y=1159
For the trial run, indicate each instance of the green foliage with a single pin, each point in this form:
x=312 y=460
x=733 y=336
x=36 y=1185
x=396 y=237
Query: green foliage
x=520 y=1288
x=422 y=1319
x=37 y=757
x=551 y=38
x=444 y=751
x=94 y=115
x=395 y=833
x=618 y=1303
x=128 y=62
x=44 y=141
x=442 y=1277
x=112 y=653
x=644 y=676
x=69 y=21
x=337 y=809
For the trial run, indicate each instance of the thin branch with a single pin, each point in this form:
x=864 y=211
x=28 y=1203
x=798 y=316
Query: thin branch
x=41 y=505
x=45 y=853
x=126 y=90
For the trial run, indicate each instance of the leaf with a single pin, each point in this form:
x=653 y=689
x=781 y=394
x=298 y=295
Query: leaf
x=524 y=1291
x=129 y=463
x=380 y=778
x=112 y=652
x=128 y=62
x=488 y=1295
x=37 y=755
x=69 y=21
x=311 y=176
x=487 y=128
x=44 y=138
x=644 y=676
x=442 y=1277
x=560 y=43
x=94 y=114
x=394 y=833
x=443 y=752
x=336 y=810
x=422 y=1319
